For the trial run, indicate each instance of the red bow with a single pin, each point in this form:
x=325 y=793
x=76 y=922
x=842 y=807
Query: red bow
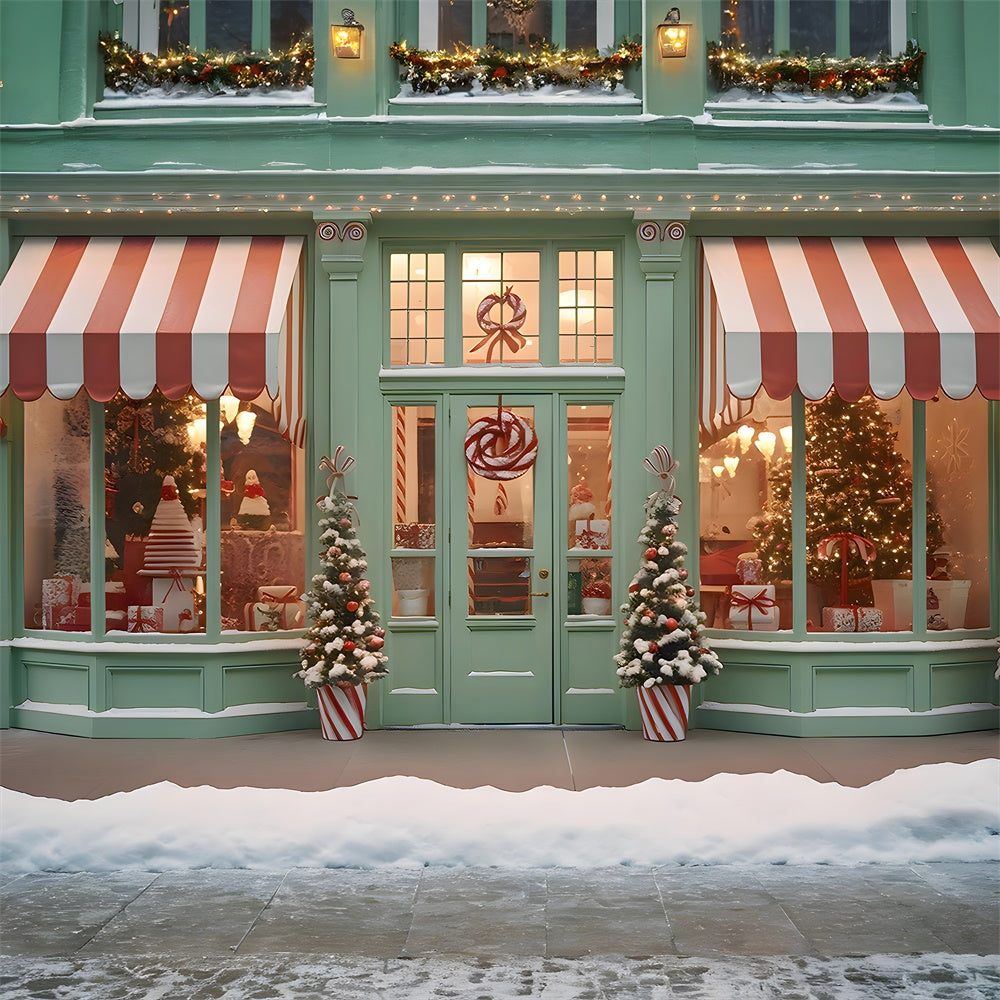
x=759 y=602
x=845 y=539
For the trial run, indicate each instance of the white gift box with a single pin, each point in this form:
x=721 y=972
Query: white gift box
x=263 y=617
x=852 y=619
x=145 y=618
x=176 y=596
x=293 y=611
x=752 y=606
x=593 y=534
x=60 y=590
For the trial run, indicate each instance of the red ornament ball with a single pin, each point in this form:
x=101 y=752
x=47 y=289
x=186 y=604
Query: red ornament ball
x=690 y=591
x=352 y=606
x=376 y=642
x=332 y=551
x=345 y=522
x=653 y=648
x=650 y=553
x=682 y=573
x=671 y=623
x=344 y=577
x=348 y=646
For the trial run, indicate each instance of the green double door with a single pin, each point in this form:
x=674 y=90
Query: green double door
x=498 y=564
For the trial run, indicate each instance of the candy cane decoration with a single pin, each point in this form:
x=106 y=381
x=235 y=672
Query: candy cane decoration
x=470 y=478
x=341 y=711
x=663 y=465
x=607 y=502
x=500 y=504
x=400 y=464
x=336 y=470
x=501 y=334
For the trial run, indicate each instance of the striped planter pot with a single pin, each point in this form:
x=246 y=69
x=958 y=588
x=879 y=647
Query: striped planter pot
x=664 y=711
x=342 y=711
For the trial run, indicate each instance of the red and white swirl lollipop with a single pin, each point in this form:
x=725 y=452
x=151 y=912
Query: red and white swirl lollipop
x=501 y=447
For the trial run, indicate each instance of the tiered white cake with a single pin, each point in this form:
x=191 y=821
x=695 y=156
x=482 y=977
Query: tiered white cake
x=171 y=543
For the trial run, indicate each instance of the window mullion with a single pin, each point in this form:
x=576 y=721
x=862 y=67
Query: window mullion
x=559 y=23
x=919 y=516
x=799 y=571
x=843 y=29
x=98 y=528
x=260 y=26
x=782 y=25
x=213 y=514
x=478 y=23
x=548 y=304
x=452 y=306
x=196 y=14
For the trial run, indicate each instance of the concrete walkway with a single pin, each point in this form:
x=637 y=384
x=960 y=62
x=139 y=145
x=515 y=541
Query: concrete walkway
x=68 y=767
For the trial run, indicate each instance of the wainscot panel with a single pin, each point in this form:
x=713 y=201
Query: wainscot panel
x=412 y=694
x=863 y=686
x=144 y=687
x=970 y=683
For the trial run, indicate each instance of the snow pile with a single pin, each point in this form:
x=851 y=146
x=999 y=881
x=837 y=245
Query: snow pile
x=937 y=812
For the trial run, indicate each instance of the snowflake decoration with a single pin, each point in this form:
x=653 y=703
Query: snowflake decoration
x=955 y=448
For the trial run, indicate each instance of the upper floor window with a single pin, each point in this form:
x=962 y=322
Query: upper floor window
x=516 y=25
x=162 y=26
x=550 y=306
x=815 y=27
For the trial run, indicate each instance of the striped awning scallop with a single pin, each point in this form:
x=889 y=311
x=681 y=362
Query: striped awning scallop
x=854 y=314
x=198 y=314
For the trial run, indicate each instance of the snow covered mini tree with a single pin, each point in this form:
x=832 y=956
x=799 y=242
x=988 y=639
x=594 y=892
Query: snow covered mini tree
x=343 y=647
x=662 y=652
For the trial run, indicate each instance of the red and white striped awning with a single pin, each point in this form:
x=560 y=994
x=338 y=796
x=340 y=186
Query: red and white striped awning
x=201 y=314
x=855 y=313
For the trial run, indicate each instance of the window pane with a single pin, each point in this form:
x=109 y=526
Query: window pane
x=454 y=23
x=175 y=26
x=291 y=20
x=869 y=27
x=858 y=483
x=413 y=508
x=745 y=483
x=500 y=308
x=57 y=514
x=518 y=30
x=958 y=514
x=813 y=26
x=586 y=306
x=750 y=23
x=581 y=24
x=416 y=308
x=588 y=438
x=501 y=511
x=227 y=25
x=500 y=585
x=154 y=469
x=263 y=513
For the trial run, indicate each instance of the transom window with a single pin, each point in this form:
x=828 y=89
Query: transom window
x=472 y=306
x=814 y=27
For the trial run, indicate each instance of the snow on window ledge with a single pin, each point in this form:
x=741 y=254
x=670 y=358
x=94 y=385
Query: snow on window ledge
x=157 y=97
x=548 y=94
x=747 y=100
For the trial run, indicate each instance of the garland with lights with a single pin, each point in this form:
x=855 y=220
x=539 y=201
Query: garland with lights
x=732 y=66
x=129 y=70
x=497 y=69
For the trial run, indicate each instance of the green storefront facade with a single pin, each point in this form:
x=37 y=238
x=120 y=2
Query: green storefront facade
x=561 y=258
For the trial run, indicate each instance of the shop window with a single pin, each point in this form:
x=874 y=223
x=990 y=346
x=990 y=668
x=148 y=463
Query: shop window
x=262 y=551
x=745 y=482
x=583 y=24
x=154 y=475
x=500 y=307
x=57 y=514
x=815 y=27
x=586 y=306
x=589 y=477
x=958 y=585
x=414 y=536
x=416 y=308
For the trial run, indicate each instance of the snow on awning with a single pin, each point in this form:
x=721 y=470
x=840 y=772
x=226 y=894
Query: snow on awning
x=201 y=314
x=852 y=313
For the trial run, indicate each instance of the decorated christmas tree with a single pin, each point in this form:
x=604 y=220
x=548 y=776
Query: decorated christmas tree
x=344 y=642
x=661 y=642
x=858 y=483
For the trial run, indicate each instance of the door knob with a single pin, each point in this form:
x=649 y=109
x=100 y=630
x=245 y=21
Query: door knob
x=543 y=574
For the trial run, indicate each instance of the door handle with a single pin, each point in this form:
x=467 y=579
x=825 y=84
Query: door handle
x=544 y=593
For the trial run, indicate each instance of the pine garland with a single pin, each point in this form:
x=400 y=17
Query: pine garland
x=127 y=69
x=496 y=69
x=733 y=66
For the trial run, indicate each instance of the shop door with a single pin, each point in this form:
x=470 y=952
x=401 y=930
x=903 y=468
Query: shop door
x=500 y=559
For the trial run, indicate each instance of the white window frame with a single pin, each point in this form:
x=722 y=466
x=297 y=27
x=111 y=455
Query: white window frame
x=427 y=24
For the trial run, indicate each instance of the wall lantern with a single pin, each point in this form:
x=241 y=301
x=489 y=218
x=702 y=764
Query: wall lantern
x=347 y=36
x=672 y=36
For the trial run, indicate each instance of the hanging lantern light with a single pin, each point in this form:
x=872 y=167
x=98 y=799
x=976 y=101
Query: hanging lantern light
x=672 y=36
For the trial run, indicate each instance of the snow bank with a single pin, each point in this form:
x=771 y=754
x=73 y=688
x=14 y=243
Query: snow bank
x=937 y=812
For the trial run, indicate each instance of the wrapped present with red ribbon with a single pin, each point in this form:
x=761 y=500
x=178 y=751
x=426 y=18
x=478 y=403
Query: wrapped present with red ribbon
x=145 y=618
x=752 y=606
x=845 y=541
x=293 y=610
x=594 y=533
x=852 y=618
x=66 y=617
x=263 y=617
x=406 y=535
x=60 y=591
x=749 y=568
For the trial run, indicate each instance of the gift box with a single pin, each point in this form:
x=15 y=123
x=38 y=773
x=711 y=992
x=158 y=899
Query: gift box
x=145 y=618
x=593 y=534
x=114 y=596
x=60 y=590
x=852 y=619
x=293 y=611
x=115 y=621
x=748 y=568
x=262 y=616
x=66 y=618
x=753 y=607
x=176 y=595
x=404 y=536
x=426 y=536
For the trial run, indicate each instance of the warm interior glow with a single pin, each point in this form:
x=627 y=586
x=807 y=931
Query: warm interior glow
x=196 y=432
x=731 y=462
x=347 y=41
x=745 y=434
x=229 y=406
x=786 y=436
x=717 y=471
x=766 y=440
x=673 y=40
x=245 y=421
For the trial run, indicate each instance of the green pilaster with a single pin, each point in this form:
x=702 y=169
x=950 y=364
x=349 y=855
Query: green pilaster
x=675 y=86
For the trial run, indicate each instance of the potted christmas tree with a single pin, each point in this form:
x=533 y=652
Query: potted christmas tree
x=343 y=646
x=662 y=652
